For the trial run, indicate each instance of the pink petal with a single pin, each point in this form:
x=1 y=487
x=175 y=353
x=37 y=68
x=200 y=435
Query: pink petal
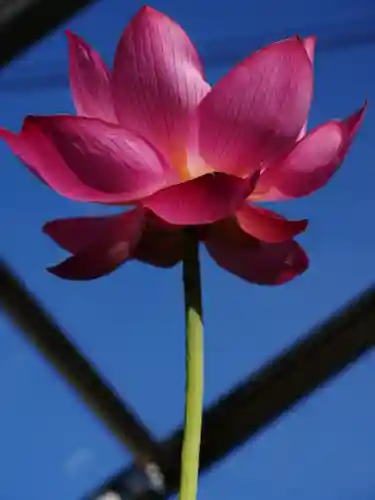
x=257 y=110
x=312 y=163
x=90 y=81
x=76 y=234
x=23 y=146
x=99 y=244
x=158 y=82
x=90 y=160
x=161 y=244
x=253 y=260
x=267 y=226
x=202 y=200
x=310 y=44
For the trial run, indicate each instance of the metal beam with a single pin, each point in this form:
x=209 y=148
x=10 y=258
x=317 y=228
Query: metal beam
x=37 y=326
x=248 y=408
x=264 y=396
x=24 y=22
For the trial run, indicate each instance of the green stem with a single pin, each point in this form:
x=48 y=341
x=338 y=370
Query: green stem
x=194 y=369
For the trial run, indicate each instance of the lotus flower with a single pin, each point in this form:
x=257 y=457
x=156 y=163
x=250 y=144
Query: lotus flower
x=153 y=135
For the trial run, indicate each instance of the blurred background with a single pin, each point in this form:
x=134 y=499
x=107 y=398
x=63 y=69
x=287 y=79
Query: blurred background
x=130 y=324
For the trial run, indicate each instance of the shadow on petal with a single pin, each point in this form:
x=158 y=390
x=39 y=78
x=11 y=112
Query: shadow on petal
x=161 y=244
x=202 y=200
x=99 y=244
x=253 y=260
x=90 y=160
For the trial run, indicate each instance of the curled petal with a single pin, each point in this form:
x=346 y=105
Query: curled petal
x=161 y=244
x=266 y=225
x=252 y=260
x=312 y=162
x=99 y=244
x=257 y=110
x=90 y=160
x=202 y=200
x=90 y=81
x=158 y=82
x=310 y=44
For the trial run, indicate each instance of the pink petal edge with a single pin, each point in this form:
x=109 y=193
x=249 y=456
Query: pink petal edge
x=100 y=244
x=312 y=163
x=257 y=110
x=160 y=245
x=90 y=81
x=158 y=82
x=252 y=260
x=202 y=200
x=266 y=225
x=310 y=45
x=90 y=160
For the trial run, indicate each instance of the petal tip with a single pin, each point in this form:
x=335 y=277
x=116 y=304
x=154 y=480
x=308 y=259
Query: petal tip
x=352 y=123
x=298 y=265
x=362 y=110
x=60 y=271
x=73 y=39
x=300 y=226
x=7 y=134
x=148 y=11
x=310 y=40
x=30 y=119
x=268 y=226
x=147 y=8
x=364 y=107
x=47 y=228
x=309 y=44
x=67 y=270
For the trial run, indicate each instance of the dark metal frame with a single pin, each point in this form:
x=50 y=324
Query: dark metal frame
x=236 y=417
x=39 y=328
x=24 y=22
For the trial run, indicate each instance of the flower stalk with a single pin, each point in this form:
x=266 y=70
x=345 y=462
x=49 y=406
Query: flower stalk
x=194 y=369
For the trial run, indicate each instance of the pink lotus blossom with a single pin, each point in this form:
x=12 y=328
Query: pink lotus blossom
x=154 y=135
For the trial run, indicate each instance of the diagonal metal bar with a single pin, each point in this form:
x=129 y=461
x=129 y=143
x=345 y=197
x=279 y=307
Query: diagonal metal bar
x=264 y=396
x=247 y=409
x=35 y=324
x=24 y=22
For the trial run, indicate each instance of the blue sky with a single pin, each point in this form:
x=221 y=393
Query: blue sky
x=51 y=446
